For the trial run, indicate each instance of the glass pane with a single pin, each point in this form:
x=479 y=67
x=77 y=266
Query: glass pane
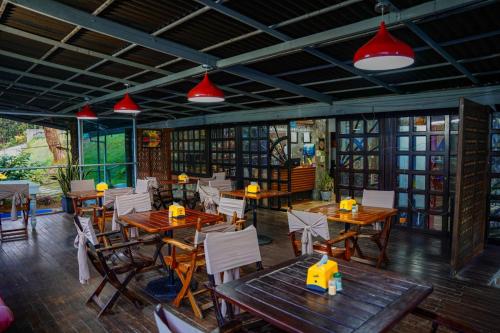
x=419 y=163
x=403 y=162
x=358 y=144
x=244 y=132
x=403 y=218
x=373 y=144
x=263 y=131
x=358 y=196
x=454 y=122
x=402 y=180
x=437 y=143
x=437 y=123
x=418 y=220
x=404 y=124
x=403 y=143
x=358 y=126
x=344 y=178
x=495 y=120
x=402 y=199
x=254 y=131
x=435 y=201
x=373 y=180
x=419 y=182
x=495 y=142
x=420 y=124
x=495 y=209
x=436 y=222
x=358 y=180
x=436 y=163
x=372 y=162
x=358 y=162
x=495 y=186
x=453 y=165
x=453 y=143
x=495 y=164
x=419 y=201
x=344 y=161
x=344 y=194
x=419 y=143
x=372 y=126
x=344 y=144
x=344 y=127
x=437 y=183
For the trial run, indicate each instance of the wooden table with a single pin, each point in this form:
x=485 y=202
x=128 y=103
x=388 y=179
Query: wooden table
x=80 y=196
x=34 y=188
x=371 y=300
x=254 y=200
x=165 y=289
x=365 y=216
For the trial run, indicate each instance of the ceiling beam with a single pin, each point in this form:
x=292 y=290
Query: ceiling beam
x=283 y=37
x=437 y=99
x=435 y=46
x=71 y=15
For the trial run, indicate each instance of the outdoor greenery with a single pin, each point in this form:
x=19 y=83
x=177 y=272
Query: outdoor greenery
x=12 y=132
x=64 y=176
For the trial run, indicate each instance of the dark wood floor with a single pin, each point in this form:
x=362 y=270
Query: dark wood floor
x=39 y=281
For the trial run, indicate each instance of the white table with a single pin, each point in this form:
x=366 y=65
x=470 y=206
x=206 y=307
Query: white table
x=34 y=189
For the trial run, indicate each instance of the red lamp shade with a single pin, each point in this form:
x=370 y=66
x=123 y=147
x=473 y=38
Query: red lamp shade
x=206 y=92
x=86 y=113
x=383 y=52
x=127 y=105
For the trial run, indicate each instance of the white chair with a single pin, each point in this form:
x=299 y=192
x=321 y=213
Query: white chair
x=374 y=198
x=221 y=185
x=219 y=175
x=108 y=203
x=167 y=322
x=233 y=210
x=91 y=205
x=142 y=186
x=131 y=203
x=225 y=253
x=19 y=197
x=209 y=198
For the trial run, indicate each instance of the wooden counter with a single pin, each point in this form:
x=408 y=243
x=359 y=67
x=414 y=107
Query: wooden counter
x=303 y=179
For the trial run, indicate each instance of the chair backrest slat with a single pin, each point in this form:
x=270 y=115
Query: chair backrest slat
x=374 y=198
x=229 y=250
x=200 y=235
x=139 y=202
x=221 y=185
x=229 y=206
x=111 y=194
x=142 y=186
x=7 y=191
x=82 y=185
x=219 y=175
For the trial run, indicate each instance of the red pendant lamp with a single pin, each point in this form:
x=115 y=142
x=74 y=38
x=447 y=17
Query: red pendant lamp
x=206 y=92
x=127 y=105
x=86 y=113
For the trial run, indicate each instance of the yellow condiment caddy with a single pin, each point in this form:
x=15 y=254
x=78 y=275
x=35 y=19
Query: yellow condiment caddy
x=176 y=211
x=253 y=188
x=320 y=273
x=101 y=187
x=183 y=178
x=346 y=205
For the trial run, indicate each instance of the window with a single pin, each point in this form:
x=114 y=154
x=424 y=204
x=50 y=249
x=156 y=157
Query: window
x=189 y=152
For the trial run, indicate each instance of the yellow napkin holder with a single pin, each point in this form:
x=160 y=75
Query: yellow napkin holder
x=175 y=211
x=346 y=205
x=319 y=274
x=101 y=187
x=183 y=178
x=253 y=188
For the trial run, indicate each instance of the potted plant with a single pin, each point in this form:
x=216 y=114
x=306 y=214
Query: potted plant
x=64 y=176
x=325 y=186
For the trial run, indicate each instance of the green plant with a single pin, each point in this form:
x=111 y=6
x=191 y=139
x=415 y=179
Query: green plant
x=65 y=175
x=16 y=161
x=325 y=182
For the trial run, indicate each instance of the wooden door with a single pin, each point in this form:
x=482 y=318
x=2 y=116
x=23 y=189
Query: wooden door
x=472 y=184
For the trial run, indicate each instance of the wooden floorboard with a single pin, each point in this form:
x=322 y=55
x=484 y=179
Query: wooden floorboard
x=39 y=281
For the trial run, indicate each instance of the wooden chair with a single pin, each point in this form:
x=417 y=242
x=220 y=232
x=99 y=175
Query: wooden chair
x=225 y=254
x=14 y=198
x=112 y=262
x=209 y=198
x=380 y=236
x=316 y=224
x=161 y=196
x=185 y=259
x=233 y=211
x=106 y=212
x=221 y=185
x=167 y=322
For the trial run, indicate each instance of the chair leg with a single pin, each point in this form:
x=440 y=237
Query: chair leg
x=186 y=292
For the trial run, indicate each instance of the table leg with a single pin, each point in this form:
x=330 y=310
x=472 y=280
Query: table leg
x=263 y=240
x=383 y=241
x=33 y=210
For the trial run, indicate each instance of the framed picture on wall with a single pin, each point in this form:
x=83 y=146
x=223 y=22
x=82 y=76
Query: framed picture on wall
x=307 y=137
x=294 y=137
x=151 y=138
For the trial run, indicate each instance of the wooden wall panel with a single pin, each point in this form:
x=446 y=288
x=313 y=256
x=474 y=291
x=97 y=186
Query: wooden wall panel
x=470 y=216
x=154 y=162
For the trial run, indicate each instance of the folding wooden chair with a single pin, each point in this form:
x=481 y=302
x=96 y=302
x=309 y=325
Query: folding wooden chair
x=161 y=196
x=225 y=253
x=108 y=205
x=189 y=260
x=167 y=322
x=233 y=211
x=221 y=185
x=14 y=198
x=316 y=224
x=112 y=262
x=380 y=236
x=209 y=198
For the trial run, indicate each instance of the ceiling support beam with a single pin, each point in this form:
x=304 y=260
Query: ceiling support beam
x=437 y=99
x=71 y=15
x=435 y=46
x=283 y=37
